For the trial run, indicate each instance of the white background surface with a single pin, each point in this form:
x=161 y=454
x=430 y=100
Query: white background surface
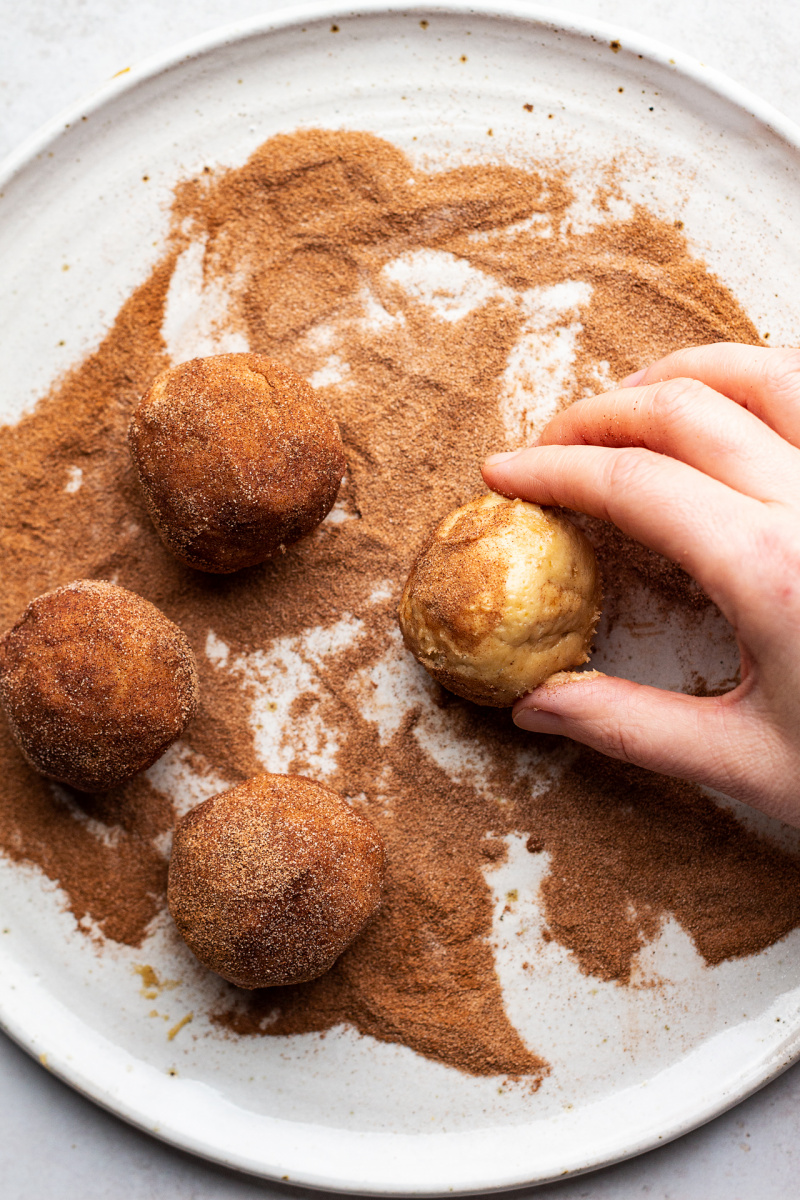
x=51 y=1140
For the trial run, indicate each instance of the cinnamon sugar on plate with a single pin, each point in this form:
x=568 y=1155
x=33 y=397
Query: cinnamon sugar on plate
x=408 y=299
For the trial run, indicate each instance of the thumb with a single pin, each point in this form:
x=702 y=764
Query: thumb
x=705 y=739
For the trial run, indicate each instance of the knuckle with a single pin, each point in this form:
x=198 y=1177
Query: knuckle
x=674 y=400
x=629 y=470
x=628 y=735
x=782 y=375
x=618 y=744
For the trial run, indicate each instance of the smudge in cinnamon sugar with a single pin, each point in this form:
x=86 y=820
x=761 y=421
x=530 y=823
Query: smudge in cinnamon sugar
x=301 y=235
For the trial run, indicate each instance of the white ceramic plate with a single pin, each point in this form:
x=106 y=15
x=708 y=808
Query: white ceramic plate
x=348 y=1113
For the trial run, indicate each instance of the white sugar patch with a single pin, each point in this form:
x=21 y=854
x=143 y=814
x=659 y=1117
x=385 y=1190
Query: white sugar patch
x=291 y=668
x=333 y=370
x=185 y=777
x=74 y=480
x=540 y=369
x=217 y=651
x=374 y=314
x=390 y=687
x=447 y=284
x=338 y=514
x=197 y=313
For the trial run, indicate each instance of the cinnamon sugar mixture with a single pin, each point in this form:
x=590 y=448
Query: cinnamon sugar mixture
x=320 y=243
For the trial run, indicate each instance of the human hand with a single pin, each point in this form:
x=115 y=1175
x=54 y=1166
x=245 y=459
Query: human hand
x=698 y=457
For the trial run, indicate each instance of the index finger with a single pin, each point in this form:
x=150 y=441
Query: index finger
x=687 y=420
x=766 y=382
x=674 y=509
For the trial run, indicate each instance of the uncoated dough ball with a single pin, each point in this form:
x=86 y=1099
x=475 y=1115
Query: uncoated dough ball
x=96 y=683
x=236 y=457
x=270 y=881
x=502 y=595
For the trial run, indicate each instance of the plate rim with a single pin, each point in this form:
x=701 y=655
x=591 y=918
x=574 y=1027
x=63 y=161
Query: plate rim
x=25 y=155
x=148 y=68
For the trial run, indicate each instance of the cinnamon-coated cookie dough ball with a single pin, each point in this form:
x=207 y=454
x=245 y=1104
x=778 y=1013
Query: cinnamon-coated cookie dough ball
x=501 y=596
x=96 y=683
x=236 y=457
x=270 y=881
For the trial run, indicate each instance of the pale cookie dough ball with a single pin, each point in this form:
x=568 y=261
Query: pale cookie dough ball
x=96 y=683
x=502 y=595
x=270 y=881
x=237 y=456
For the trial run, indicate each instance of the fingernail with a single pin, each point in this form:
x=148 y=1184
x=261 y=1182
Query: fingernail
x=533 y=702
x=534 y=720
x=635 y=379
x=494 y=459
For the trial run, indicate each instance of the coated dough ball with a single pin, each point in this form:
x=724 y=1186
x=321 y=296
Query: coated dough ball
x=96 y=683
x=236 y=457
x=502 y=595
x=270 y=881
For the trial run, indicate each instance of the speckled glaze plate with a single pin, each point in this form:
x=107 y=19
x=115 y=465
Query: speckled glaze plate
x=632 y=1068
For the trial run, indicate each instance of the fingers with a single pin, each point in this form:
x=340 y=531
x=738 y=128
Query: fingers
x=766 y=382
x=707 y=740
x=686 y=420
x=670 y=507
